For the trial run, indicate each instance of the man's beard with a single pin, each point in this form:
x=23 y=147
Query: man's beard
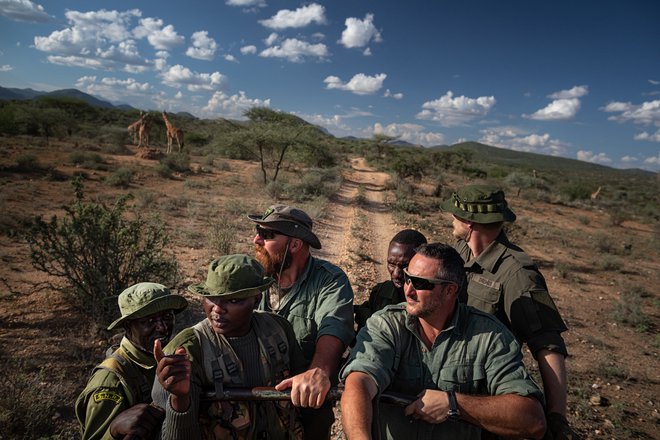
x=272 y=263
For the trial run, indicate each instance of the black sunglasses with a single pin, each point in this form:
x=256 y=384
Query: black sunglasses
x=267 y=234
x=420 y=283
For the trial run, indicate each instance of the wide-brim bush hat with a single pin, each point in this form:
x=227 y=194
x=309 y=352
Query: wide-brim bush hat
x=144 y=299
x=289 y=221
x=479 y=204
x=233 y=277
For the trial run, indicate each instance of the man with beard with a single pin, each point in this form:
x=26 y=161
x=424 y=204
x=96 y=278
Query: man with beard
x=116 y=400
x=235 y=346
x=503 y=280
x=400 y=251
x=316 y=297
x=462 y=365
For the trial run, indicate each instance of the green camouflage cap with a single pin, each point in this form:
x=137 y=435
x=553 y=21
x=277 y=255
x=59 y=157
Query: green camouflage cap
x=289 y=221
x=144 y=299
x=234 y=277
x=479 y=204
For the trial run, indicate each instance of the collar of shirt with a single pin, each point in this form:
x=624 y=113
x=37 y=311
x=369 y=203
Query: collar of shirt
x=491 y=255
x=134 y=354
x=455 y=327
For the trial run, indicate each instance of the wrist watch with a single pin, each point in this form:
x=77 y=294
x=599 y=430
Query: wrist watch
x=453 y=414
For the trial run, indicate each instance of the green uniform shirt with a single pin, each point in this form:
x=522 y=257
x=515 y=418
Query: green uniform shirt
x=475 y=355
x=382 y=294
x=319 y=303
x=185 y=426
x=505 y=282
x=106 y=394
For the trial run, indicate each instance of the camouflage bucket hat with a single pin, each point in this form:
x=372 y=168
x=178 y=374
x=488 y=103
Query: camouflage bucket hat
x=234 y=277
x=479 y=204
x=144 y=299
x=289 y=221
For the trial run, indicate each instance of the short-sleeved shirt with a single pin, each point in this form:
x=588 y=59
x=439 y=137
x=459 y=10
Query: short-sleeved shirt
x=185 y=426
x=475 y=355
x=105 y=395
x=381 y=295
x=504 y=281
x=319 y=303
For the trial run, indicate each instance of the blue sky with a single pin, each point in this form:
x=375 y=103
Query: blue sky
x=578 y=79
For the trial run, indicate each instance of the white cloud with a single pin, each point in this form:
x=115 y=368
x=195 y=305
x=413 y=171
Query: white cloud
x=203 y=47
x=360 y=84
x=516 y=139
x=246 y=3
x=178 y=95
x=24 y=10
x=566 y=104
x=246 y=50
x=654 y=82
x=645 y=136
x=450 y=111
x=629 y=159
x=271 y=39
x=232 y=106
x=359 y=33
x=653 y=160
x=178 y=76
x=413 y=133
x=557 y=110
x=113 y=89
x=6 y=68
x=589 y=156
x=575 y=92
x=301 y=17
x=161 y=38
x=647 y=113
x=296 y=50
x=389 y=94
x=231 y=58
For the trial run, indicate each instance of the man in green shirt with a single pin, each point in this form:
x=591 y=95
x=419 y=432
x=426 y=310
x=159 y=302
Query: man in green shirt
x=503 y=280
x=464 y=367
x=235 y=346
x=116 y=400
x=400 y=251
x=316 y=297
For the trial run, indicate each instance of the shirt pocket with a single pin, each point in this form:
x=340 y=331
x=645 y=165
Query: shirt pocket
x=464 y=378
x=483 y=297
x=408 y=376
x=305 y=330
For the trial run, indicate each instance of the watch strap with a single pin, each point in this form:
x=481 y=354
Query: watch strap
x=453 y=414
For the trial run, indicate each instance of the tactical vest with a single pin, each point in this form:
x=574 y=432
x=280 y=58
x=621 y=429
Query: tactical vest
x=222 y=420
x=137 y=386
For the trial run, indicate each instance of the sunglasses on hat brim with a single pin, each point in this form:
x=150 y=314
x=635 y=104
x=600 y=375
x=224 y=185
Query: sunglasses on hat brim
x=421 y=283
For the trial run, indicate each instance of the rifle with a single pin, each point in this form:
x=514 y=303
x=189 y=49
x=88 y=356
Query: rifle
x=271 y=394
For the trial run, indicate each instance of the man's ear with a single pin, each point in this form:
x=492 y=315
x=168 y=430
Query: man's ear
x=295 y=245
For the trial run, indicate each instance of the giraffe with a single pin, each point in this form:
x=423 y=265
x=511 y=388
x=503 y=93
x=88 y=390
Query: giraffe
x=143 y=131
x=134 y=128
x=173 y=133
x=594 y=195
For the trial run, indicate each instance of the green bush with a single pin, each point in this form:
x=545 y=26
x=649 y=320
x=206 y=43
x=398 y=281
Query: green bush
x=221 y=236
x=97 y=253
x=122 y=177
x=87 y=159
x=576 y=191
x=163 y=170
x=629 y=311
x=27 y=162
x=179 y=162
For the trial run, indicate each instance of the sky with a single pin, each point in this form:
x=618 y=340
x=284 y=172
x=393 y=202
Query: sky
x=570 y=78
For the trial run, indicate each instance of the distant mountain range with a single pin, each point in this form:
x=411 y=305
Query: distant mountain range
x=27 y=94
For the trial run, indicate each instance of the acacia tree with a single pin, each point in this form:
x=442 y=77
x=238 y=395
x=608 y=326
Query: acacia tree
x=269 y=135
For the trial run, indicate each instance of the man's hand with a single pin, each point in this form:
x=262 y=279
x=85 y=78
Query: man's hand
x=141 y=421
x=558 y=428
x=432 y=406
x=173 y=373
x=308 y=389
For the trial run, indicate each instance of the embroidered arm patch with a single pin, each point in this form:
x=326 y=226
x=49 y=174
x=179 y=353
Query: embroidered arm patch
x=107 y=395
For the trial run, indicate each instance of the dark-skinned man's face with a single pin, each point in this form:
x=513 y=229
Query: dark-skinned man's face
x=142 y=332
x=398 y=258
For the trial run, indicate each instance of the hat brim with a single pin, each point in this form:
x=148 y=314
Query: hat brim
x=203 y=290
x=290 y=228
x=478 y=217
x=174 y=302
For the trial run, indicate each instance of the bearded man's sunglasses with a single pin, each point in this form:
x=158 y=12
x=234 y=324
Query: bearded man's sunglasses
x=267 y=234
x=421 y=283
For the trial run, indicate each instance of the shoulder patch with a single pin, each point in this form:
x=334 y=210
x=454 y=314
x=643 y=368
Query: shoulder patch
x=107 y=395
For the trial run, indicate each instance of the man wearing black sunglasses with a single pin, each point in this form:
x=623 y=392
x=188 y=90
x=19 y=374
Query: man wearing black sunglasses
x=503 y=280
x=464 y=367
x=401 y=249
x=317 y=299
